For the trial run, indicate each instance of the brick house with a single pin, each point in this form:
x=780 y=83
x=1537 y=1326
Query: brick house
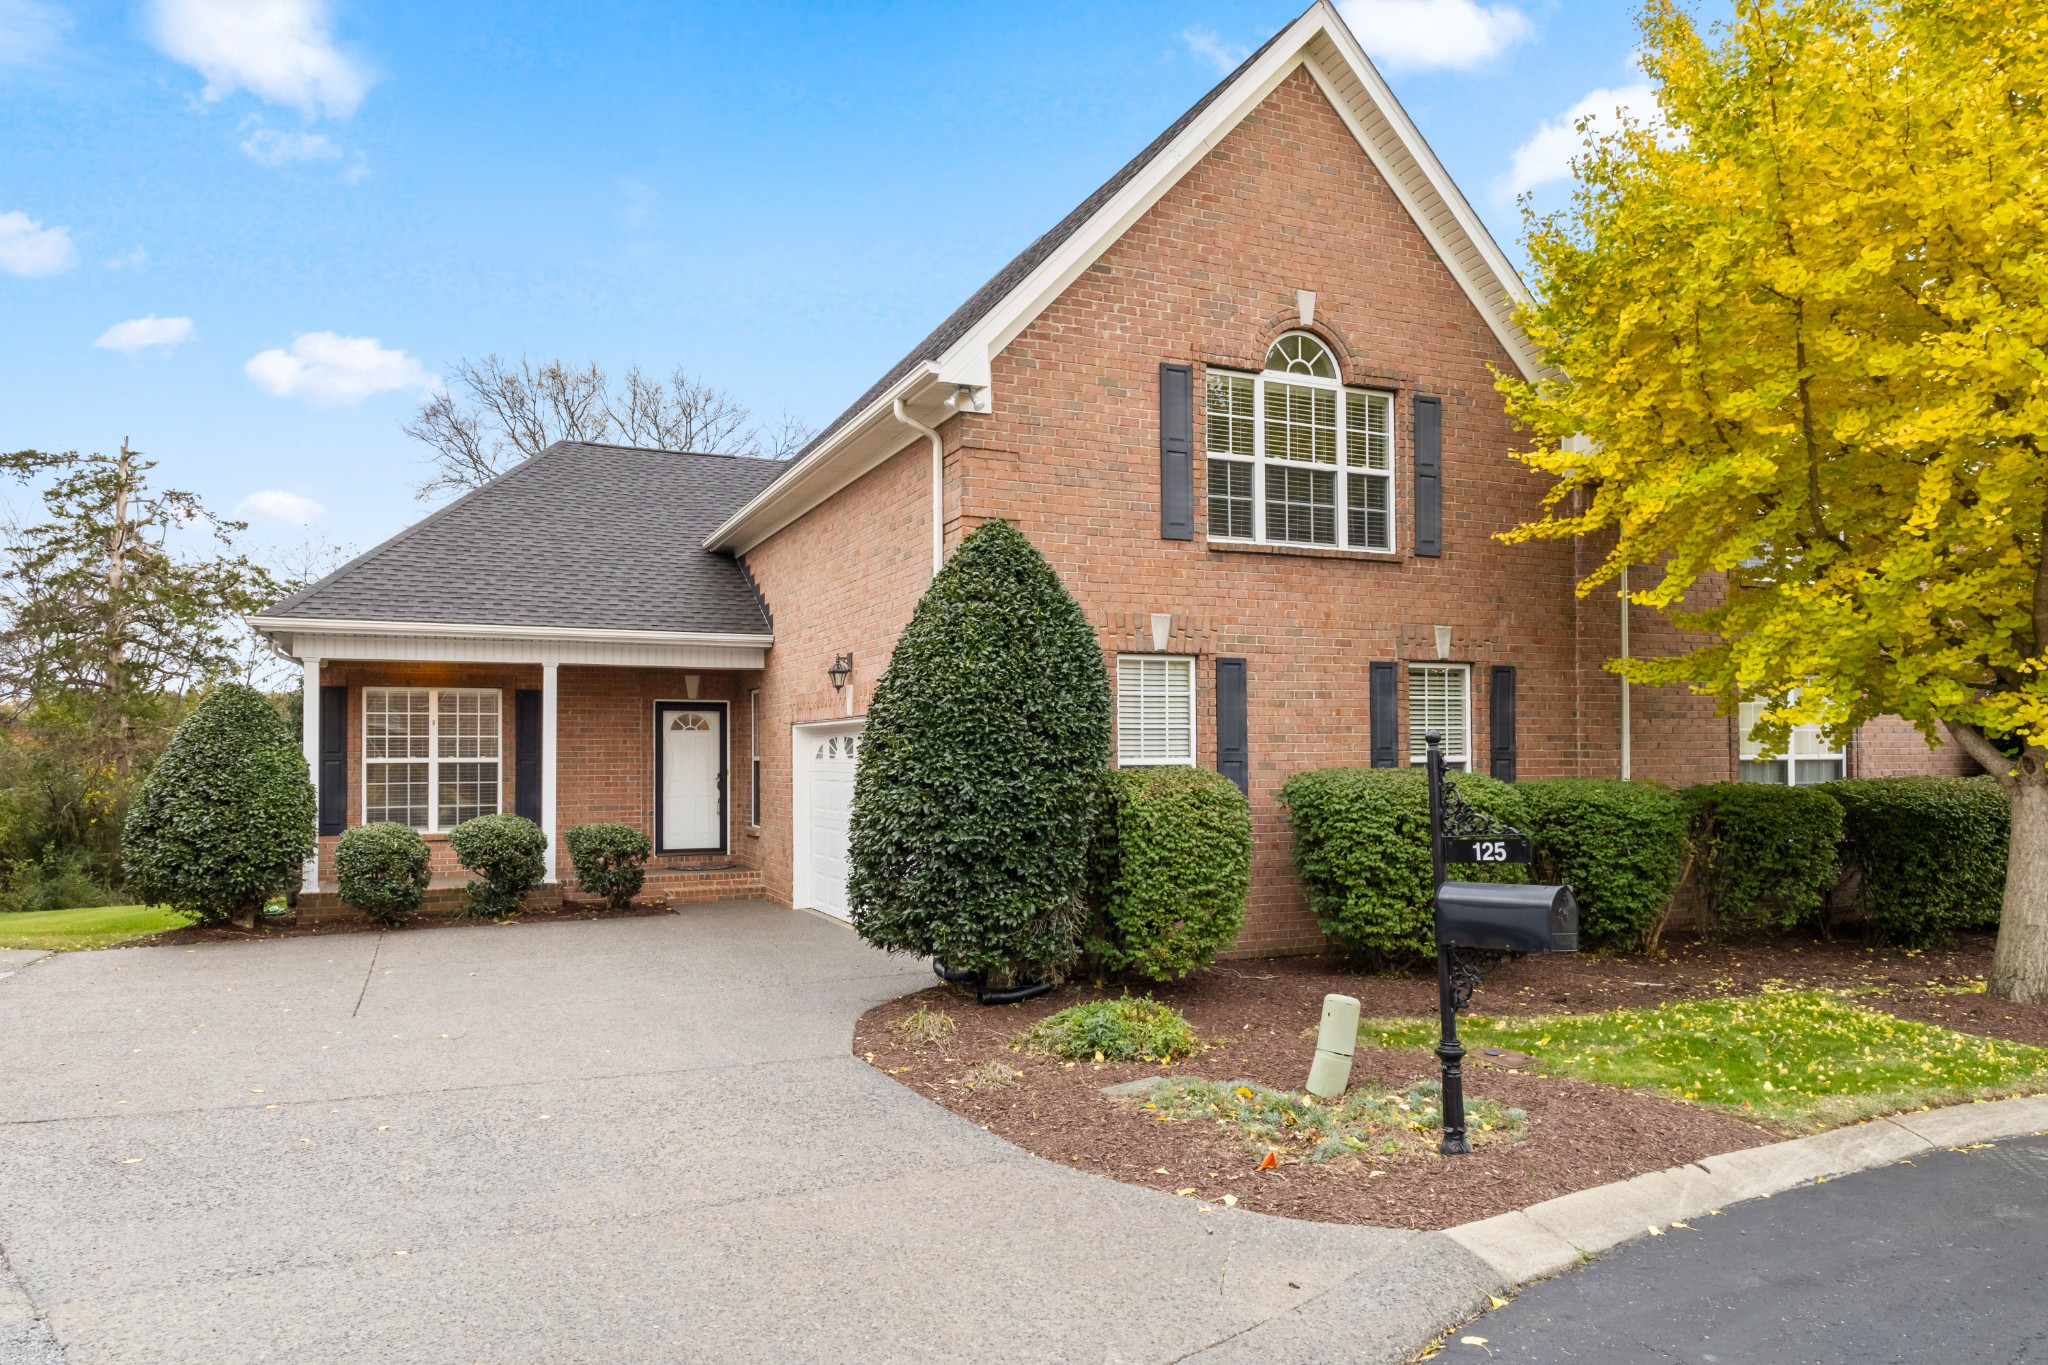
x=1241 y=398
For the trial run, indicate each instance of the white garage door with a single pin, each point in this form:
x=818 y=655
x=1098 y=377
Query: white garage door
x=827 y=754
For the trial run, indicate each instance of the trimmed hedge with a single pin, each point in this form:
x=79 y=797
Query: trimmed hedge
x=1168 y=871
x=509 y=855
x=978 y=776
x=1620 y=845
x=611 y=861
x=382 y=870
x=1929 y=853
x=224 y=822
x=1361 y=848
x=1766 y=854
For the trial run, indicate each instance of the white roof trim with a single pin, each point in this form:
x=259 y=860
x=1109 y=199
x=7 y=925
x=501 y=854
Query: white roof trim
x=1320 y=41
x=316 y=625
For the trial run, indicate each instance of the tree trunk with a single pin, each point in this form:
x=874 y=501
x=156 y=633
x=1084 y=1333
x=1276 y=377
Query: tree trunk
x=2020 y=969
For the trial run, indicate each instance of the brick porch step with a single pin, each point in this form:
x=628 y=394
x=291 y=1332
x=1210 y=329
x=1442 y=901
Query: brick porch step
x=699 y=885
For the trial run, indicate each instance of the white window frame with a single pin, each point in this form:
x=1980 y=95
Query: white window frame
x=1457 y=759
x=1133 y=749
x=1808 y=745
x=434 y=758
x=1262 y=464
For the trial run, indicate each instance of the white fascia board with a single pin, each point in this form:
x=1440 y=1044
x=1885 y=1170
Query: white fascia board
x=271 y=626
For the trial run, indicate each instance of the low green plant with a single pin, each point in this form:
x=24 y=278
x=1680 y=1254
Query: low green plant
x=1765 y=855
x=1122 y=1030
x=1361 y=848
x=610 y=860
x=1168 y=871
x=1928 y=853
x=382 y=869
x=1366 y=1122
x=509 y=855
x=1798 y=1060
x=1620 y=845
x=224 y=822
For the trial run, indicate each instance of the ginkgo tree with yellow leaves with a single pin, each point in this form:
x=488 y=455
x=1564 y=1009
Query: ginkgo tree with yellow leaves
x=1797 y=331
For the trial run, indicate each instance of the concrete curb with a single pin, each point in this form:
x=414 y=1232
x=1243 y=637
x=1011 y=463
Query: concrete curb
x=1554 y=1236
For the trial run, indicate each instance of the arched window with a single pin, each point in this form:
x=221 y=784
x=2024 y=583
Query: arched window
x=1295 y=458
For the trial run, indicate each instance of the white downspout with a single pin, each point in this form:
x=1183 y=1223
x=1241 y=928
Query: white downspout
x=938 y=484
x=1625 y=732
x=309 y=730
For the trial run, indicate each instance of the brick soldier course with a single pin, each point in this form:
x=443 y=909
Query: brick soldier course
x=1294 y=201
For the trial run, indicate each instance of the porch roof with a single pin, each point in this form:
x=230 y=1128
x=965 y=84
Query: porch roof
x=583 y=541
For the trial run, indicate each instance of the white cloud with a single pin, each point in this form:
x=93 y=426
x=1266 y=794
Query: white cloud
x=269 y=147
x=28 y=248
x=326 y=368
x=280 y=51
x=129 y=260
x=1206 y=46
x=274 y=504
x=1459 y=34
x=1547 y=156
x=30 y=30
x=139 y=334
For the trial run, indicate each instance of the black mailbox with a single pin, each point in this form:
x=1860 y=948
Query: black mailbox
x=1505 y=918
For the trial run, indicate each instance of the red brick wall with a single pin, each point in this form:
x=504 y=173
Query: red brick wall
x=1889 y=747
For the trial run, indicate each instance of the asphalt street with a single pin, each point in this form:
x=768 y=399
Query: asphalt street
x=1942 y=1260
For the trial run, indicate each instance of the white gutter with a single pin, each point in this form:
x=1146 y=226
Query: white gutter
x=330 y=626
x=938 y=484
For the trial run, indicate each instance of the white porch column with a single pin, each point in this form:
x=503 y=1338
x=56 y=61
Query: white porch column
x=547 y=763
x=309 y=726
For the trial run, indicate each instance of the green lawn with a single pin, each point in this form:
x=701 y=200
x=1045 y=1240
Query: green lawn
x=1797 y=1060
x=95 y=927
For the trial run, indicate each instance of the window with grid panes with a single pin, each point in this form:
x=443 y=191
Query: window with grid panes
x=431 y=755
x=1155 y=711
x=1807 y=761
x=1440 y=699
x=1296 y=459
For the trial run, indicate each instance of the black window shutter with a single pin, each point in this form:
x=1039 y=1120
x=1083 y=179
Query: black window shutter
x=333 y=773
x=1386 y=716
x=526 y=753
x=1501 y=723
x=1233 y=730
x=1176 y=452
x=1429 y=476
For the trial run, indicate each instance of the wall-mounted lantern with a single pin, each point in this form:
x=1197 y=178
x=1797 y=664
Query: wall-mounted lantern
x=841 y=670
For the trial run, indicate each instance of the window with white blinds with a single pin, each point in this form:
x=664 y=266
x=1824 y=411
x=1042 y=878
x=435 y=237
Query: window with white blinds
x=1155 y=711
x=1440 y=699
x=1807 y=761
x=430 y=755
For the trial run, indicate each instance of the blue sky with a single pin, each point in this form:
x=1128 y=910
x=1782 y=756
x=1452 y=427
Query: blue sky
x=247 y=233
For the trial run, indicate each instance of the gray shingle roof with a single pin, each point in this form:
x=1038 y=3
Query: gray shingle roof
x=589 y=537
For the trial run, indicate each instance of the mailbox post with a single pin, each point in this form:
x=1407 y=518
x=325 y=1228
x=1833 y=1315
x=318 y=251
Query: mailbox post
x=1480 y=923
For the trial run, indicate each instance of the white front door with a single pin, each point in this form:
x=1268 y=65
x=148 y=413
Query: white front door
x=827 y=754
x=690 y=773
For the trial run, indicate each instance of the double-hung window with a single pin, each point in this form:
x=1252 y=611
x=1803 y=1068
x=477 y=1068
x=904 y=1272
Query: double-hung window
x=1155 y=711
x=1440 y=699
x=430 y=755
x=1295 y=458
x=1808 y=760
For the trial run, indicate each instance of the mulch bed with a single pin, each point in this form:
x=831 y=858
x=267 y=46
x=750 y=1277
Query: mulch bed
x=236 y=933
x=1260 y=1019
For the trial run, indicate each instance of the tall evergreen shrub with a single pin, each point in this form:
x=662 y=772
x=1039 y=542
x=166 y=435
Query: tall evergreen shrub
x=976 y=785
x=1169 y=870
x=1361 y=848
x=1929 y=853
x=224 y=821
x=1766 y=855
x=1620 y=845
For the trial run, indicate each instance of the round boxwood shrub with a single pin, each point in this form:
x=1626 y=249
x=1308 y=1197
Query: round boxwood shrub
x=1620 y=846
x=1168 y=871
x=1765 y=855
x=382 y=870
x=611 y=861
x=1361 y=849
x=1113 y=1031
x=508 y=853
x=224 y=822
x=1928 y=853
x=975 y=789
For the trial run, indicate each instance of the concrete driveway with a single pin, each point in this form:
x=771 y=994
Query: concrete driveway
x=627 y=1140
